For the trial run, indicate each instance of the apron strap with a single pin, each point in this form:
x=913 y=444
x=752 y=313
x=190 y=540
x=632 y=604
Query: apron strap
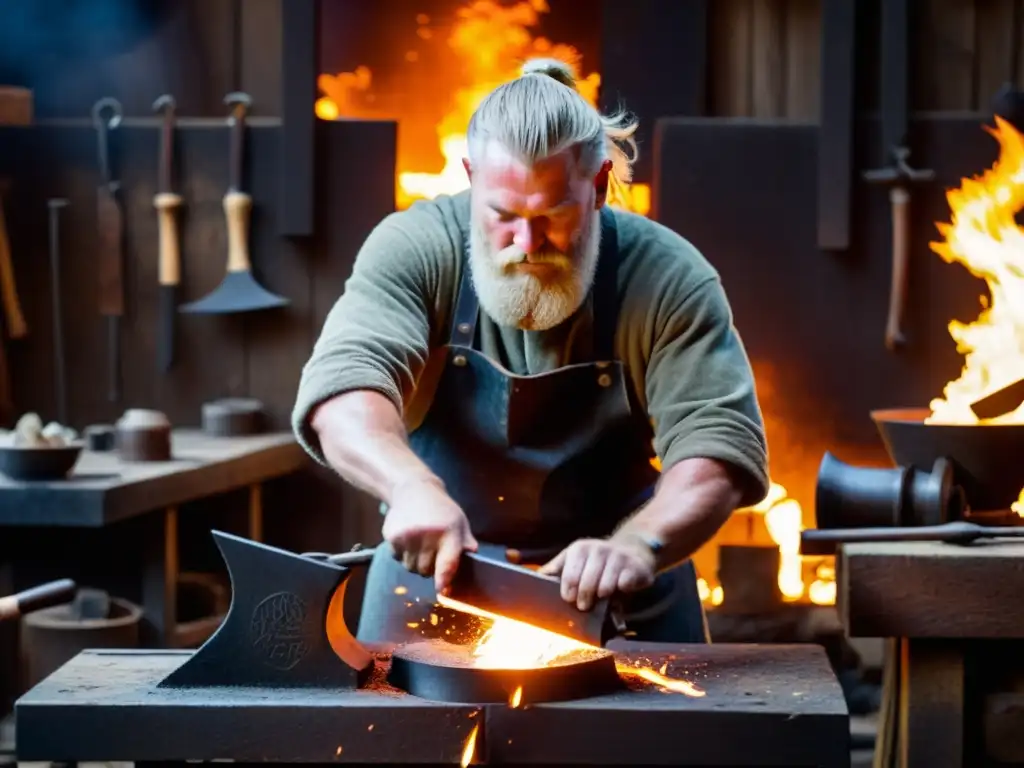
x=467 y=306
x=605 y=295
x=606 y=289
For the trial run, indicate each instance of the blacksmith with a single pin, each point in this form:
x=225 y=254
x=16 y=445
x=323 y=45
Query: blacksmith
x=504 y=364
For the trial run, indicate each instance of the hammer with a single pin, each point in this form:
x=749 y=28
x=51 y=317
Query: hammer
x=898 y=178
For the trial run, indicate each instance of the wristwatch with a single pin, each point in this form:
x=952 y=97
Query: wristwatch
x=654 y=544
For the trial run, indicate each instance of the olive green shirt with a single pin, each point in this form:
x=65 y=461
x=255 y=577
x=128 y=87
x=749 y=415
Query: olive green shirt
x=683 y=357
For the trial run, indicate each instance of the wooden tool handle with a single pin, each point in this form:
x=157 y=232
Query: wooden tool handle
x=14 y=318
x=237 y=206
x=37 y=598
x=900 y=200
x=166 y=204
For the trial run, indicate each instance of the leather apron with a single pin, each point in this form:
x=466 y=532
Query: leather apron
x=537 y=462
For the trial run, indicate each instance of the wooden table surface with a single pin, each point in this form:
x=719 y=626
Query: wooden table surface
x=103 y=489
x=764 y=705
x=932 y=590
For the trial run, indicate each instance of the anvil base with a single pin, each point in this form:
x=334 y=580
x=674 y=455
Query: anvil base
x=763 y=705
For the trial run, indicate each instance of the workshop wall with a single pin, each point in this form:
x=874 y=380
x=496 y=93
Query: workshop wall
x=73 y=53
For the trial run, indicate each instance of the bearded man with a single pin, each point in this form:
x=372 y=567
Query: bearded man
x=504 y=364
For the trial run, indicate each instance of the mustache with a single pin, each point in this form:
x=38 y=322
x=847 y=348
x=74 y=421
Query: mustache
x=509 y=257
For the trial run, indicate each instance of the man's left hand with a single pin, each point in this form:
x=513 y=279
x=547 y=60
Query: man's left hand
x=594 y=569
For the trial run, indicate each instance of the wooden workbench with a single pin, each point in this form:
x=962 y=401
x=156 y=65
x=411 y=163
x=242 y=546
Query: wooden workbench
x=764 y=705
x=955 y=617
x=102 y=490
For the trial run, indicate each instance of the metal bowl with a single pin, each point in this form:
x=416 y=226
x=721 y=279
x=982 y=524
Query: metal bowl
x=986 y=457
x=50 y=463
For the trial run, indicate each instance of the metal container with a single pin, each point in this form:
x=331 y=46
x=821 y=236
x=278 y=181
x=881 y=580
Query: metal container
x=42 y=463
x=53 y=636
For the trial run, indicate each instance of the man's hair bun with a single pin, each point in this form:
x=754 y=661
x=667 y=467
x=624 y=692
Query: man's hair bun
x=553 y=68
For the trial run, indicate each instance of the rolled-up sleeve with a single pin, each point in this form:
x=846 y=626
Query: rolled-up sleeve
x=376 y=336
x=700 y=388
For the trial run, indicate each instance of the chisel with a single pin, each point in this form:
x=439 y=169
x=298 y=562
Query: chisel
x=166 y=202
x=110 y=241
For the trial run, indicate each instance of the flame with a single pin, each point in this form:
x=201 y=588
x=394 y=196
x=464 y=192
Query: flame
x=783 y=517
x=516 y=698
x=983 y=236
x=485 y=48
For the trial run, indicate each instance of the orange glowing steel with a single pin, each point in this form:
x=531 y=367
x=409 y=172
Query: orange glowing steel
x=510 y=644
x=983 y=236
x=485 y=46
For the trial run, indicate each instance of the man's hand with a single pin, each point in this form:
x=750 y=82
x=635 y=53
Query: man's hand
x=593 y=569
x=427 y=530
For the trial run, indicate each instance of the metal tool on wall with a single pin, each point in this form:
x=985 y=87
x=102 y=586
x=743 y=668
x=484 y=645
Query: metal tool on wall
x=106 y=115
x=896 y=175
x=14 y=318
x=56 y=302
x=238 y=291
x=166 y=202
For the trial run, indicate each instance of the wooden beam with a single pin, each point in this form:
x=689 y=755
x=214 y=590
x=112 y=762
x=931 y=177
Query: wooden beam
x=931 y=590
x=300 y=62
x=673 y=37
x=835 y=138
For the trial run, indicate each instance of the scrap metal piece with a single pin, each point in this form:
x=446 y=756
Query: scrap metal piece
x=285 y=627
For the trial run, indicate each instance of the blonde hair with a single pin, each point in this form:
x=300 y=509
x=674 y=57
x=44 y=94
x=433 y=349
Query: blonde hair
x=542 y=113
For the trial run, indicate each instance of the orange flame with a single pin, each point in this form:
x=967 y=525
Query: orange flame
x=488 y=42
x=983 y=236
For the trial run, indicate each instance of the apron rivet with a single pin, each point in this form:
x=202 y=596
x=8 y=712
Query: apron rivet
x=604 y=380
x=463 y=327
x=459 y=360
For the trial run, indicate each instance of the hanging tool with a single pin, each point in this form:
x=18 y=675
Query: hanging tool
x=238 y=291
x=14 y=318
x=166 y=202
x=897 y=175
x=59 y=360
x=110 y=219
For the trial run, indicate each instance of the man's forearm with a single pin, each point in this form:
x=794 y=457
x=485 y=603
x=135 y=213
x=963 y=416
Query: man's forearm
x=693 y=500
x=363 y=438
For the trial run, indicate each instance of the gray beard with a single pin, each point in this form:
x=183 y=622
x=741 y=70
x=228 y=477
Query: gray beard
x=518 y=300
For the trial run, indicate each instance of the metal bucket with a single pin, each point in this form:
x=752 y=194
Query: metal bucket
x=53 y=636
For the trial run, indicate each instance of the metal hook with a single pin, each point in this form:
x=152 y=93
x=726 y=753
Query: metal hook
x=116 y=112
x=165 y=102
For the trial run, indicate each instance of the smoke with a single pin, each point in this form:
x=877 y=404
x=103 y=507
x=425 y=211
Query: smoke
x=41 y=38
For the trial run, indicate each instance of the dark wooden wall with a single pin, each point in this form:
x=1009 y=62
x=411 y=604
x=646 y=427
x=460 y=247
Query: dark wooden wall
x=197 y=50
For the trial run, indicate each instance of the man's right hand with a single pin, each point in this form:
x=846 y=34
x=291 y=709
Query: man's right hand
x=427 y=530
